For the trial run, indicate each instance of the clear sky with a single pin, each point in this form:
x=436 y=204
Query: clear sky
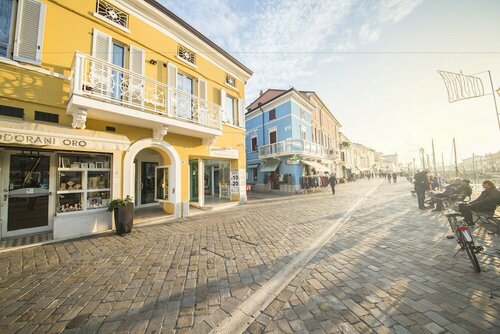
x=373 y=62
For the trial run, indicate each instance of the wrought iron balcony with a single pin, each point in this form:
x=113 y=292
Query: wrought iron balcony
x=290 y=147
x=141 y=100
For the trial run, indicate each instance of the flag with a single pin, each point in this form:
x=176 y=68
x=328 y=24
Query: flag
x=461 y=87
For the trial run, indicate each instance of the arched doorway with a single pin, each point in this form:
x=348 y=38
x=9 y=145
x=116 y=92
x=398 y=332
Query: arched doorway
x=153 y=153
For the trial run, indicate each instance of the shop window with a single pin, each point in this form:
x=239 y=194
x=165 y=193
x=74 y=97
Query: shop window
x=254 y=144
x=254 y=174
x=11 y=111
x=46 y=117
x=84 y=182
x=272 y=114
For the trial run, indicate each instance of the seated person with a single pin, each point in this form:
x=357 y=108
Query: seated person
x=485 y=203
x=458 y=189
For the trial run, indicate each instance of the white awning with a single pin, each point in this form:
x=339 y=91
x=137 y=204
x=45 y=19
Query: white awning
x=317 y=166
x=270 y=166
x=14 y=131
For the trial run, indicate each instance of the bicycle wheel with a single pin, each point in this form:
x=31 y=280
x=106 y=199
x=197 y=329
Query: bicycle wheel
x=468 y=245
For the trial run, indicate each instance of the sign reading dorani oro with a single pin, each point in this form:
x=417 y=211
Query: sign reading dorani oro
x=38 y=140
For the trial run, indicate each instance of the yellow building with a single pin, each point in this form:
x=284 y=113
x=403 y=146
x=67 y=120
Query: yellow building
x=104 y=99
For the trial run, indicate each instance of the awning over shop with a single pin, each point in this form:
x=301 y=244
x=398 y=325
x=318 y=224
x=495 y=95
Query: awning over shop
x=253 y=166
x=270 y=166
x=317 y=166
x=355 y=170
x=13 y=131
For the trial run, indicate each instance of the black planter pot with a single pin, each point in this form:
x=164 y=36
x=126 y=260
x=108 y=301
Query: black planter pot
x=124 y=218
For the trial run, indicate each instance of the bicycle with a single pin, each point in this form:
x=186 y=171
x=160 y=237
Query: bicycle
x=462 y=233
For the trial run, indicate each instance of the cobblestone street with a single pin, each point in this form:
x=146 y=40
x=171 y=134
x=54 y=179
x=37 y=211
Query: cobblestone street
x=388 y=268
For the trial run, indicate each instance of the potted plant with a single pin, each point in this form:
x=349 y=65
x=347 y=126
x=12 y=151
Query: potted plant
x=123 y=210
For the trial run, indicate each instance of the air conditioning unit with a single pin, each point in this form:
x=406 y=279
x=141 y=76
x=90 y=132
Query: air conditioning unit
x=331 y=152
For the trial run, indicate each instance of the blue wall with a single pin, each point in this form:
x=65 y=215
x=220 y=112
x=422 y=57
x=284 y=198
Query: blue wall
x=288 y=121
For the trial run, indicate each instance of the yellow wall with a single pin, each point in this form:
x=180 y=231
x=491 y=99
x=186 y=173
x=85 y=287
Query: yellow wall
x=68 y=28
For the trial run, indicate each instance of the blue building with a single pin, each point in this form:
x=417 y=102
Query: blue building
x=280 y=149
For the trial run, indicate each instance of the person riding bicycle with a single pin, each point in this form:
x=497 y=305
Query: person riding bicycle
x=485 y=203
x=458 y=190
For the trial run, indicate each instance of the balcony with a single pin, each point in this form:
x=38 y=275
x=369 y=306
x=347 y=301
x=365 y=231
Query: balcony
x=292 y=147
x=103 y=91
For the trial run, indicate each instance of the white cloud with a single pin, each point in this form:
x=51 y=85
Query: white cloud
x=367 y=34
x=284 y=42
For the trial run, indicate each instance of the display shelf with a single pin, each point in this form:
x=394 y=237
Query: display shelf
x=79 y=191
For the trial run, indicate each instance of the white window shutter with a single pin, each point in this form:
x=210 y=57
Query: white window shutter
x=223 y=104
x=29 y=31
x=172 y=75
x=203 y=115
x=202 y=88
x=241 y=113
x=172 y=85
x=137 y=60
x=102 y=46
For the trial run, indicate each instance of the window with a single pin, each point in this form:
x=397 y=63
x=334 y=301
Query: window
x=186 y=54
x=272 y=137
x=303 y=133
x=11 y=111
x=254 y=144
x=302 y=113
x=231 y=81
x=112 y=13
x=253 y=174
x=110 y=129
x=185 y=101
x=27 y=30
x=231 y=110
x=84 y=182
x=6 y=13
x=46 y=117
x=272 y=114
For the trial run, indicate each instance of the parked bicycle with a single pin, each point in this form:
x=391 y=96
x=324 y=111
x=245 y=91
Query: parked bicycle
x=462 y=233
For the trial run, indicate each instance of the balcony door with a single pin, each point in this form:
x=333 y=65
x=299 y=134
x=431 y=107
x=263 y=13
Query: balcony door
x=118 y=59
x=185 y=96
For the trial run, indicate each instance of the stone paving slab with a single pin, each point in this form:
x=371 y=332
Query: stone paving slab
x=163 y=278
x=392 y=271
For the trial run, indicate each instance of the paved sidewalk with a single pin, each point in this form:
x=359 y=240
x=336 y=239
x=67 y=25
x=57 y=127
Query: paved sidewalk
x=390 y=269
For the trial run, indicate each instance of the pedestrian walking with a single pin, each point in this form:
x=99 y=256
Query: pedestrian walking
x=332 y=181
x=389 y=177
x=395 y=177
x=421 y=186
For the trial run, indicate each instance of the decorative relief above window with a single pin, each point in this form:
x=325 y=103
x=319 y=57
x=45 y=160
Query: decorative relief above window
x=231 y=81
x=112 y=13
x=186 y=54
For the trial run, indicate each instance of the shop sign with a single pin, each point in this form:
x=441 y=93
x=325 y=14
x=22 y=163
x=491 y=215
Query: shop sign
x=221 y=152
x=243 y=182
x=234 y=181
x=38 y=140
x=292 y=162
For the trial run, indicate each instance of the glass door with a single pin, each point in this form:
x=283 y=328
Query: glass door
x=26 y=194
x=117 y=76
x=185 y=98
x=193 y=180
x=148 y=182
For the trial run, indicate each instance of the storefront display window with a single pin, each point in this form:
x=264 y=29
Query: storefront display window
x=83 y=182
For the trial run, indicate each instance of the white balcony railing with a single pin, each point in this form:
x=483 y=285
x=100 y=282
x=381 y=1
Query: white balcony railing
x=104 y=81
x=292 y=146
